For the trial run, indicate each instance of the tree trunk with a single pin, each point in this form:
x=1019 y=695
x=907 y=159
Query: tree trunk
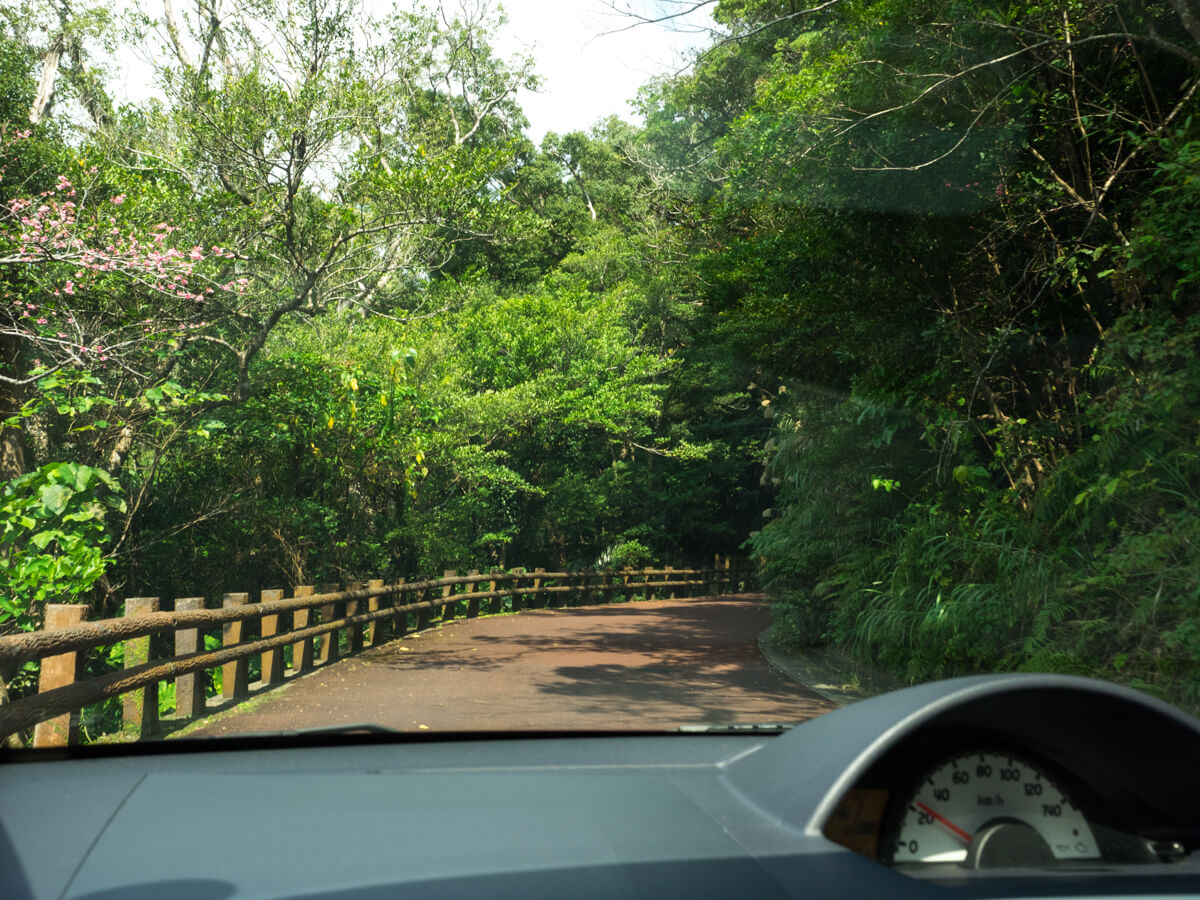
x=45 y=92
x=12 y=440
x=1189 y=14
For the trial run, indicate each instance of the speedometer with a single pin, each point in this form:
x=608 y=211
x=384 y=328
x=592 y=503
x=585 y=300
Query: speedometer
x=986 y=808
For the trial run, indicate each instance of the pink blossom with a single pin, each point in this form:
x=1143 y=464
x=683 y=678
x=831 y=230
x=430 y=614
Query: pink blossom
x=197 y=253
x=69 y=287
x=118 y=200
x=41 y=321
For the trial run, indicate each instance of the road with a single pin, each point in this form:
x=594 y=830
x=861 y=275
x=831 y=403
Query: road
x=649 y=665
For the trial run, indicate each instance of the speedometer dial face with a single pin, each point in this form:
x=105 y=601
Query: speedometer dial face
x=968 y=797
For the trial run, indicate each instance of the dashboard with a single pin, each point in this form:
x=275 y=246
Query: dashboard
x=989 y=786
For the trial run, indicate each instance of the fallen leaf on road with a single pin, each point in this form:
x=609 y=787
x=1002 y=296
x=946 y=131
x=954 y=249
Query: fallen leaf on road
x=423 y=727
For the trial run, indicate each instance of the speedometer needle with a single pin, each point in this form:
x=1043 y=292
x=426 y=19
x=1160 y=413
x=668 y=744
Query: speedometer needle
x=937 y=815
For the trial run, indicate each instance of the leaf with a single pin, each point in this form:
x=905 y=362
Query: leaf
x=55 y=498
x=43 y=539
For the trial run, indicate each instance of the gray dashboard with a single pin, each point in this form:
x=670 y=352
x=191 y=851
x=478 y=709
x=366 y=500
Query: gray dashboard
x=614 y=816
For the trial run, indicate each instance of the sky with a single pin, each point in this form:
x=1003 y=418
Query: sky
x=589 y=68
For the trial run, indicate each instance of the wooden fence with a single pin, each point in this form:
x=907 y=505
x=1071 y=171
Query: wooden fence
x=299 y=633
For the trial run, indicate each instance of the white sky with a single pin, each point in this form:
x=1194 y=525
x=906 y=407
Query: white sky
x=589 y=70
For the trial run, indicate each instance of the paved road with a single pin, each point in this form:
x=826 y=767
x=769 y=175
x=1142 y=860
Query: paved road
x=657 y=664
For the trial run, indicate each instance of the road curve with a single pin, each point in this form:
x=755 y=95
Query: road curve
x=650 y=665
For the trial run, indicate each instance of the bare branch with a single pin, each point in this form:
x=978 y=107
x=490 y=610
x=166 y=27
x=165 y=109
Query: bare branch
x=646 y=20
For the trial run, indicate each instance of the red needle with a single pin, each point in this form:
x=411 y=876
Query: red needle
x=937 y=815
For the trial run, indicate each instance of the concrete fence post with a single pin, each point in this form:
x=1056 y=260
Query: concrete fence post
x=272 y=660
x=400 y=624
x=327 y=643
x=518 y=599
x=235 y=681
x=496 y=604
x=59 y=671
x=449 y=610
x=139 y=707
x=538 y=600
x=377 y=631
x=473 y=605
x=425 y=615
x=302 y=651
x=355 y=637
x=190 y=695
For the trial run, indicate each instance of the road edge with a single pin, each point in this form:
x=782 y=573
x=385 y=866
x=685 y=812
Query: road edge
x=827 y=672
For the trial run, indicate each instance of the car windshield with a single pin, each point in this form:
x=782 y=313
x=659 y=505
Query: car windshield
x=586 y=366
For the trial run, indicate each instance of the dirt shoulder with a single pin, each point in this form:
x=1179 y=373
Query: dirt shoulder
x=828 y=672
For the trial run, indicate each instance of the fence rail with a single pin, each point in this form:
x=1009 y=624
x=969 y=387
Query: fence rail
x=313 y=624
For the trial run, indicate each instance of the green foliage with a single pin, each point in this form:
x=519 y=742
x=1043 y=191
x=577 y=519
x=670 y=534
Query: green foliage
x=53 y=523
x=986 y=459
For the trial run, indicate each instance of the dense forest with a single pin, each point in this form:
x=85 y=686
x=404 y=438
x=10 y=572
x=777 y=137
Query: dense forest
x=899 y=299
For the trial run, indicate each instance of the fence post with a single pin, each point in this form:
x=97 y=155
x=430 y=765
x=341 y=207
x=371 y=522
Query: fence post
x=235 y=682
x=496 y=604
x=669 y=577
x=327 y=643
x=377 y=631
x=516 y=597
x=424 y=616
x=302 y=651
x=449 y=610
x=190 y=696
x=272 y=660
x=557 y=599
x=59 y=671
x=399 y=623
x=539 y=600
x=354 y=639
x=140 y=706
x=473 y=605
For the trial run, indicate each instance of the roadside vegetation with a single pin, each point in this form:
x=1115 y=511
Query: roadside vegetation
x=900 y=299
